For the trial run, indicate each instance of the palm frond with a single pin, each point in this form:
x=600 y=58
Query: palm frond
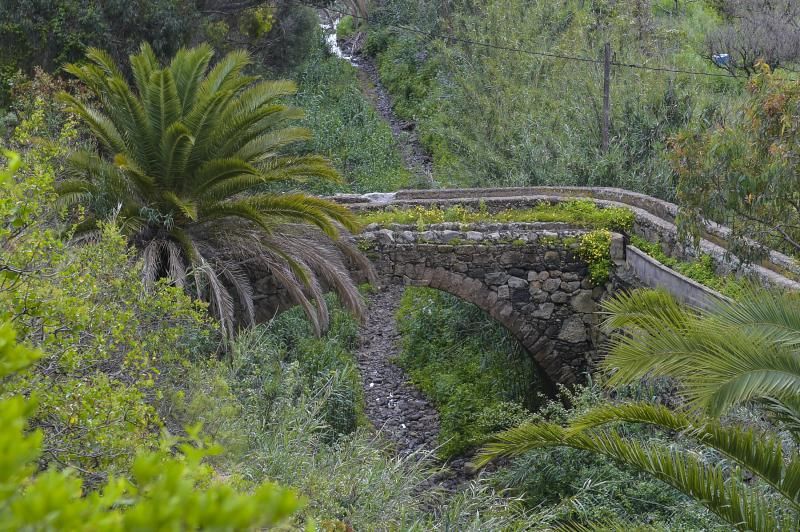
x=188 y=67
x=761 y=453
x=143 y=65
x=646 y=310
x=773 y=315
x=267 y=145
x=176 y=146
x=162 y=105
x=181 y=150
x=100 y=125
x=724 y=494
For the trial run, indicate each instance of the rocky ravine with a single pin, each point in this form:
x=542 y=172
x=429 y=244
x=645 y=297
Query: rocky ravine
x=394 y=406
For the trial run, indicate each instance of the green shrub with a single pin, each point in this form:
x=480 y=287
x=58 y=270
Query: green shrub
x=111 y=351
x=346 y=27
x=580 y=213
x=94 y=418
x=346 y=127
x=594 y=249
x=469 y=366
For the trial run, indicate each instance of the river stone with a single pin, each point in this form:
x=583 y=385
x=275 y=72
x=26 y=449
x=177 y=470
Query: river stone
x=570 y=286
x=551 y=285
x=384 y=236
x=583 y=302
x=517 y=283
x=559 y=297
x=573 y=330
x=496 y=278
x=449 y=236
x=552 y=258
x=544 y=311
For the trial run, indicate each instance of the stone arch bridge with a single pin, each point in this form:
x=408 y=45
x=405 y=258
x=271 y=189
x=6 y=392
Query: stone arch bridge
x=528 y=276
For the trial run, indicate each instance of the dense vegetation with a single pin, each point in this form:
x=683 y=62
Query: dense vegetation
x=579 y=213
x=494 y=115
x=740 y=353
x=165 y=155
x=479 y=376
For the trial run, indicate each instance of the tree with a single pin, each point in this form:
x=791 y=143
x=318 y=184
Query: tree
x=165 y=492
x=49 y=33
x=185 y=163
x=760 y=31
x=742 y=169
x=737 y=354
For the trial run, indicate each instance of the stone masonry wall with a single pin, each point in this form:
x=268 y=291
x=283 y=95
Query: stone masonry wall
x=654 y=221
x=526 y=276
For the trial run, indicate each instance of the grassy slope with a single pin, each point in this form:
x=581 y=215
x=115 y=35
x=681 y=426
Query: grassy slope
x=497 y=117
x=346 y=127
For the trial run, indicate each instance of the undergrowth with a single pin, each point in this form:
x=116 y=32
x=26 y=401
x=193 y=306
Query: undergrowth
x=479 y=377
x=580 y=487
x=346 y=127
x=302 y=416
x=490 y=116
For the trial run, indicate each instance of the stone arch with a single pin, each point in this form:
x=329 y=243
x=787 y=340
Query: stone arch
x=528 y=278
x=502 y=311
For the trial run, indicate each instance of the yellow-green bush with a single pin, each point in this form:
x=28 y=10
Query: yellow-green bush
x=594 y=248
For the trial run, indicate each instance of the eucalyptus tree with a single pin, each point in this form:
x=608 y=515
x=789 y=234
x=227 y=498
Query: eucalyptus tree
x=740 y=353
x=187 y=161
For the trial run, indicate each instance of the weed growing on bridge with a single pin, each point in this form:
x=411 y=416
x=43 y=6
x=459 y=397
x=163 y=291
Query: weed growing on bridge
x=582 y=213
x=594 y=248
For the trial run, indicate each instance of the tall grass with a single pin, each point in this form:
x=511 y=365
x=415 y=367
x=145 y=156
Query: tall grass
x=492 y=116
x=346 y=127
x=291 y=387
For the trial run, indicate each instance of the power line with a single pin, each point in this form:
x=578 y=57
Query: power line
x=526 y=51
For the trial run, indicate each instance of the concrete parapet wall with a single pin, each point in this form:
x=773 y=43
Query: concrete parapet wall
x=651 y=273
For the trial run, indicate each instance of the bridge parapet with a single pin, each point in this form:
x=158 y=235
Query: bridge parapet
x=654 y=221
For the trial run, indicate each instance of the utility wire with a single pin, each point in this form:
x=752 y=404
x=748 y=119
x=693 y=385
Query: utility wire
x=526 y=51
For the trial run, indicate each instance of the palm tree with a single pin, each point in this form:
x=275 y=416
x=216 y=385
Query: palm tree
x=185 y=164
x=740 y=352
